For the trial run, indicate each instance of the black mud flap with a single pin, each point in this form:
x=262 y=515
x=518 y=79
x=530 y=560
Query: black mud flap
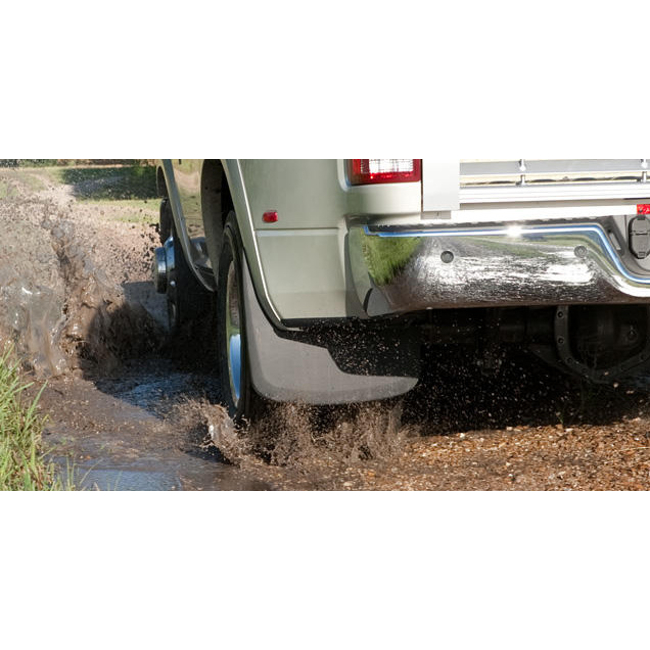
x=289 y=370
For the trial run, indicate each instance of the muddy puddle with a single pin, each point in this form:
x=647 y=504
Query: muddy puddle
x=78 y=307
x=144 y=431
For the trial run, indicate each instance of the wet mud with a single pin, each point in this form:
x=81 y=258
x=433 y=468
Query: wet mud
x=124 y=408
x=128 y=410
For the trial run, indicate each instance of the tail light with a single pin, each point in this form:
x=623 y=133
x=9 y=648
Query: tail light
x=369 y=171
x=643 y=209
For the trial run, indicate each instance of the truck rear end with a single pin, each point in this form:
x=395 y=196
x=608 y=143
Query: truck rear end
x=343 y=275
x=551 y=254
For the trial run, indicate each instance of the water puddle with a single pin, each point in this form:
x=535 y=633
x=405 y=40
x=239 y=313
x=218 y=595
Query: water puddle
x=164 y=476
x=136 y=433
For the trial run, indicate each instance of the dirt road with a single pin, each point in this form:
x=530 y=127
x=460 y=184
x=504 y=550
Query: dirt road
x=131 y=412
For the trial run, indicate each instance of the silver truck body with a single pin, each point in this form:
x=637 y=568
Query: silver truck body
x=470 y=235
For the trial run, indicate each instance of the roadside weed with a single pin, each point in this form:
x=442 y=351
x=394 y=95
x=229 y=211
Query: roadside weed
x=22 y=466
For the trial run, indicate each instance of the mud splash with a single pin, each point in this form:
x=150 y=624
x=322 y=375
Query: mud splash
x=59 y=311
x=315 y=445
x=32 y=293
x=101 y=327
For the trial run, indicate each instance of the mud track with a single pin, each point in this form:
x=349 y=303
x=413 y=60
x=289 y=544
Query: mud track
x=131 y=411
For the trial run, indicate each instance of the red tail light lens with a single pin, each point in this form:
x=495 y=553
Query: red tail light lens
x=643 y=209
x=369 y=171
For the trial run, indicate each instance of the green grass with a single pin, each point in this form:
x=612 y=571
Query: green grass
x=136 y=211
x=22 y=466
x=108 y=183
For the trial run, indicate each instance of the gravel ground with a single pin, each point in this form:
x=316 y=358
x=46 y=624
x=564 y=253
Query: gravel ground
x=606 y=448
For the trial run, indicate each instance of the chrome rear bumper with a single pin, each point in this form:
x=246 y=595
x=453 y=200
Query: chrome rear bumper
x=398 y=270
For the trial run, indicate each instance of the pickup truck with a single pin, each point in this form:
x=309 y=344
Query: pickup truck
x=330 y=279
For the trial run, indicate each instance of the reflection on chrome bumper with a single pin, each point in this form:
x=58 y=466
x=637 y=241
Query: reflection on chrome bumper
x=398 y=271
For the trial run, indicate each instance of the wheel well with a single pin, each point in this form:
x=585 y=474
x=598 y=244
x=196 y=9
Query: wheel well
x=216 y=203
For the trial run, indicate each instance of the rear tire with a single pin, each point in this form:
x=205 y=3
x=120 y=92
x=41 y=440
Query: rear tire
x=237 y=392
x=166 y=220
x=187 y=300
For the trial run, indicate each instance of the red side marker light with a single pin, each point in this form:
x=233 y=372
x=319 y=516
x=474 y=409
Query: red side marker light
x=270 y=216
x=643 y=209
